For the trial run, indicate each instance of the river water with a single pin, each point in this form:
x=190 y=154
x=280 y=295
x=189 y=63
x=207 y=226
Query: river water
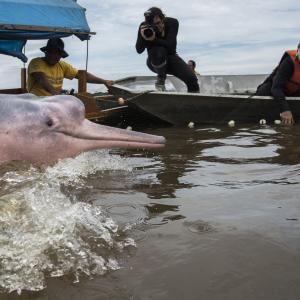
x=215 y=215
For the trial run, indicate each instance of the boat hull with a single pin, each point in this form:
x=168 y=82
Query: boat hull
x=207 y=109
x=180 y=108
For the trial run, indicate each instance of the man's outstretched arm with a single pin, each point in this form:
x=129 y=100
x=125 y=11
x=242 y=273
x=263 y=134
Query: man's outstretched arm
x=90 y=78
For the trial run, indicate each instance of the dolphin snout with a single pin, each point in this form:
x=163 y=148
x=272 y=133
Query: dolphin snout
x=111 y=137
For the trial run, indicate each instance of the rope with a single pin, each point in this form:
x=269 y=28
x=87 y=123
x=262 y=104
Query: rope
x=139 y=95
x=87 y=55
x=24 y=52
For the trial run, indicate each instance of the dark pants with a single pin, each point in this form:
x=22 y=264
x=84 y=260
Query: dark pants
x=161 y=63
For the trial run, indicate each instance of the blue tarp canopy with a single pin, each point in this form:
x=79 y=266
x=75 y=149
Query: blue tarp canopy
x=22 y=20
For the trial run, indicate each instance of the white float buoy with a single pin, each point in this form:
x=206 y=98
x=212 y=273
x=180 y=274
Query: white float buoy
x=129 y=128
x=191 y=125
x=231 y=123
x=262 y=122
x=277 y=122
x=121 y=101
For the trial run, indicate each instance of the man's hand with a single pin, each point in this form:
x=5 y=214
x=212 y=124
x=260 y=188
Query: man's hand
x=287 y=118
x=142 y=30
x=90 y=78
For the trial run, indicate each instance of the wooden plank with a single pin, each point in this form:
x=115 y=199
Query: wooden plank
x=105 y=97
x=81 y=81
x=12 y=91
x=91 y=108
x=23 y=79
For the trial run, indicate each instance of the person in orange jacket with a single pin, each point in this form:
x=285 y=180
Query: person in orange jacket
x=284 y=81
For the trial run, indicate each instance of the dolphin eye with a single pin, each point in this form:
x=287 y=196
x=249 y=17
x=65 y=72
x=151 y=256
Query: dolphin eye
x=49 y=123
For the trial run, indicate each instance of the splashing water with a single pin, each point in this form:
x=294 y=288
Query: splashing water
x=44 y=233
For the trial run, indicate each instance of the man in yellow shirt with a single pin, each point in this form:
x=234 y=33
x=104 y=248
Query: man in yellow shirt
x=46 y=74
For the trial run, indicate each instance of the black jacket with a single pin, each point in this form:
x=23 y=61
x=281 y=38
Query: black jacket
x=279 y=77
x=169 y=41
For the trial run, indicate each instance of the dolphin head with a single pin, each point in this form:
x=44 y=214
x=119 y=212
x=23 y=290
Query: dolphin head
x=49 y=128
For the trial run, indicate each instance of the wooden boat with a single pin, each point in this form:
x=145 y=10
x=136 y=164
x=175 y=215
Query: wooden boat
x=105 y=109
x=222 y=98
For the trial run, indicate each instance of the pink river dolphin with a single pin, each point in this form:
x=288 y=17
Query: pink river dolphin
x=42 y=129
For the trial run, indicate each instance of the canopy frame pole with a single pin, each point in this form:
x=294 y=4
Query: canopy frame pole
x=23 y=75
x=87 y=55
x=82 y=84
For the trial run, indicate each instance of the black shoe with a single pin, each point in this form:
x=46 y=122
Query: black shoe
x=160 y=83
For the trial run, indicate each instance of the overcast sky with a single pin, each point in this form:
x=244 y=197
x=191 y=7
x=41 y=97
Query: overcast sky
x=223 y=37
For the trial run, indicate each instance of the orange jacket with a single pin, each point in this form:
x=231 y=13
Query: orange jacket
x=294 y=82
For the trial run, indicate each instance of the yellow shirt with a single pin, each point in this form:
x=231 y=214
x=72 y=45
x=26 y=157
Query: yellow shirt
x=55 y=74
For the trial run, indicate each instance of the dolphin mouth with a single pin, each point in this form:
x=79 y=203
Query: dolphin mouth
x=110 y=137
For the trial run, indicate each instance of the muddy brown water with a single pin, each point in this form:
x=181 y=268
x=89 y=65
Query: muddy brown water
x=215 y=215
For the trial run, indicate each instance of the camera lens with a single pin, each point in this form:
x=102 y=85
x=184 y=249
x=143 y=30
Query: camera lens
x=148 y=32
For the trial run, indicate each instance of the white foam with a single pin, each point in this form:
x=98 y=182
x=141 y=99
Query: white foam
x=47 y=233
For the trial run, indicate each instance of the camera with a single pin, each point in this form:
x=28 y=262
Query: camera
x=149 y=28
x=149 y=17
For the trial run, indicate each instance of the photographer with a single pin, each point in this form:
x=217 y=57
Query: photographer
x=159 y=35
